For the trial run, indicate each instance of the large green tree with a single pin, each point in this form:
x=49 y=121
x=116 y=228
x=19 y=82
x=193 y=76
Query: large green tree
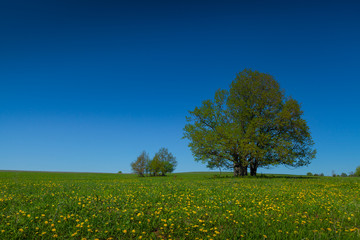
x=252 y=125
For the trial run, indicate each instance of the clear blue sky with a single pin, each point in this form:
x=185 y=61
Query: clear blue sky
x=87 y=85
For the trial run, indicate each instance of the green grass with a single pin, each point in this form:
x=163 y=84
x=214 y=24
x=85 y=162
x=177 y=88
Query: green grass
x=180 y=206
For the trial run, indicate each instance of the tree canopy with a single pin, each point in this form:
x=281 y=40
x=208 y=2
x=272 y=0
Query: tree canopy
x=252 y=125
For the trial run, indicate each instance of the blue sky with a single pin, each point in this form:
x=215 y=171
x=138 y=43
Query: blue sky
x=87 y=85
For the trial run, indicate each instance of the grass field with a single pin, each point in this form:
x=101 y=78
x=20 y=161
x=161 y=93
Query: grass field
x=180 y=206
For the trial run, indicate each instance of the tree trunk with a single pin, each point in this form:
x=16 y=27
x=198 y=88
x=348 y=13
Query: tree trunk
x=237 y=169
x=253 y=168
x=243 y=170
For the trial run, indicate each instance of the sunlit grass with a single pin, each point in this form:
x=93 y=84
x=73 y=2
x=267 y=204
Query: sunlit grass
x=180 y=206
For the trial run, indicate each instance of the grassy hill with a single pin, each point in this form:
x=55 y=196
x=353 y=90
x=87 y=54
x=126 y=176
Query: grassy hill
x=48 y=205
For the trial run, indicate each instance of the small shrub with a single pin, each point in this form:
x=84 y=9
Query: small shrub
x=344 y=175
x=119 y=172
x=321 y=174
x=309 y=174
x=316 y=175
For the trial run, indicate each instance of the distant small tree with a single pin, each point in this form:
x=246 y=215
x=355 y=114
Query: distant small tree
x=140 y=165
x=357 y=172
x=333 y=174
x=309 y=174
x=163 y=162
x=119 y=172
x=351 y=174
x=155 y=166
x=344 y=174
x=147 y=167
x=316 y=175
x=321 y=174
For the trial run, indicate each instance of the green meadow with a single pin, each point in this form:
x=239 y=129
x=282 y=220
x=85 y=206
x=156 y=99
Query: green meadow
x=40 y=205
